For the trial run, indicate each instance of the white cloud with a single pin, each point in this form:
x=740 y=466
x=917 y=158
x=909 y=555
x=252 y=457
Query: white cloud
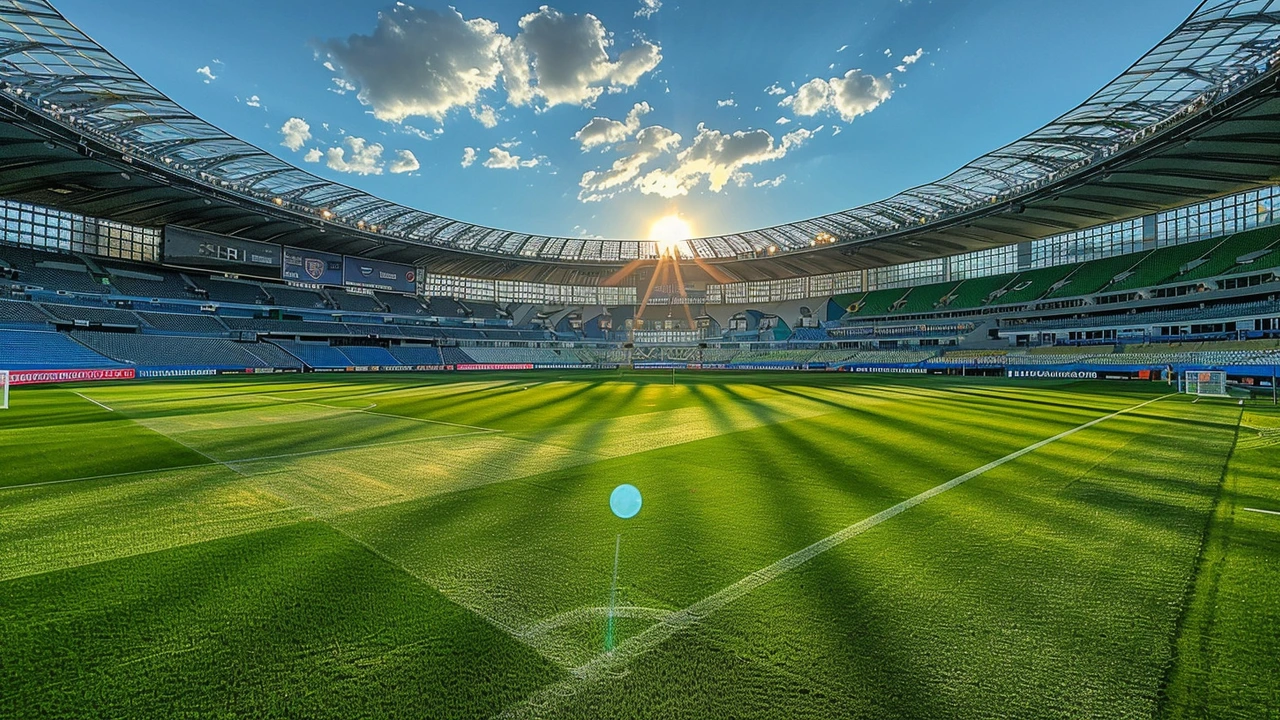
x=783 y=121
x=650 y=143
x=852 y=96
x=888 y=52
x=486 y=116
x=775 y=89
x=772 y=183
x=843 y=48
x=365 y=158
x=313 y=156
x=420 y=62
x=468 y=156
x=648 y=8
x=569 y=56
x=500 y=159
x=913 y=58
x=254 y=101
x=405 y=162
x=427 y=63
x=296 y=133
x=604 y=131
x=727 y=103
x=718 y=158
x=207 y=73
x=342 y=86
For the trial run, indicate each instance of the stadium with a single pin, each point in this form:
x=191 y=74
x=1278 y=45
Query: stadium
x=1000 y=445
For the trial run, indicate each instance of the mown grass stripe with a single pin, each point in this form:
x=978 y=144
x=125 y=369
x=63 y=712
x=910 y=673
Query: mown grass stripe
x=605 y=664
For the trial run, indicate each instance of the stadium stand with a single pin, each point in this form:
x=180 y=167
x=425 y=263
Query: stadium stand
x=152 y=282
x=315 y=354
x=1031 y=285
x=352 y=302
x=401 y=304
x=1090 y=277
x=366 y=355
x=974 y=292
x=47 y=350
x=19 y=312
x=284 y=327
x=1161 y=265
x=446 y=307
x=482 y=310
x=454 y=356
x=233 y=291
x=98 y=315
x=175 y=322
x=285 y=296
x=1242 y=252
x=166 y=351
x=517 y=355
x=925 y=298
x=416 y=355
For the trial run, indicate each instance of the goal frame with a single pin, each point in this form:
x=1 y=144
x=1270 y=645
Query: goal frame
x=4 y=389
x=1205 y=383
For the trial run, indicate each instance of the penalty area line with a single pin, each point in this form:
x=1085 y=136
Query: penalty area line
x=95 y=402
x=1263 y=512
x=604 y=665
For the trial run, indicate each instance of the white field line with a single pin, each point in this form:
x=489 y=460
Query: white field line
x=606 y=664
x=1264 y=512
x=95 y=402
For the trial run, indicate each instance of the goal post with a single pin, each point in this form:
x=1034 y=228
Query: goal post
x=1205 y=383
x=4 y=389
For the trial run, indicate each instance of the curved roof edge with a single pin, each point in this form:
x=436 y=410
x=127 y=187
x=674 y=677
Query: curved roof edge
x=49 y=65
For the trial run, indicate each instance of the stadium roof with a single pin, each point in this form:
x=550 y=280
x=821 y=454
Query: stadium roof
x=86 y=133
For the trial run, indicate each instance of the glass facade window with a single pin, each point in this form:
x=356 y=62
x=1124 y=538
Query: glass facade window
x=58 y=231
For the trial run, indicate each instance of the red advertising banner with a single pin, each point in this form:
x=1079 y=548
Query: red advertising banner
x=524 y=366
x=39 y=377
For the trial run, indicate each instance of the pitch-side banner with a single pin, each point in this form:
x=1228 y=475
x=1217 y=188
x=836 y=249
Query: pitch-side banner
x=312 y=267
x=39 y=377
x=378 y=275
x=207 y=251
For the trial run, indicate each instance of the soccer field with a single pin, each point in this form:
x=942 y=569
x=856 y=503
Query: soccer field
x=810 y=546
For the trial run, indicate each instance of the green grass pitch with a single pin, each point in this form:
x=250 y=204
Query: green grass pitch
x=442 y=546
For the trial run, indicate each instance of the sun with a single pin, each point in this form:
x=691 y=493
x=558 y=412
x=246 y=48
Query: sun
x=669 y=231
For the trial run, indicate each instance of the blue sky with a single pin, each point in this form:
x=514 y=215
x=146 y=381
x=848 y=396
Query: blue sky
x=750 y=113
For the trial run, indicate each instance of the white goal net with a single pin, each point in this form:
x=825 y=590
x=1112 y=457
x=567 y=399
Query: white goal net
x=4 y=389
x=1205 y=383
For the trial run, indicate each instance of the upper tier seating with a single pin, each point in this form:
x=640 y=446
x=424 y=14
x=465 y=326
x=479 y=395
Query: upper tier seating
x=1162 y=266
x=234 y=291
x=925 y=298
x=1093 y=276
x=1031 y=285
x=454 y=356
x=402 y=304
x=166 y=351
x=46 y=350
x=417 y=355
x=352 y=302
x=361 y=355
x=285 y=327
x=315 y=354
x=1224 y=260
x=879 y=302
x=102 y=316
x=487 y=311
x=175 y=322
x=973 y=293
x=285 y=296
x=149 y=283
x=17 y=311
x=446 y=307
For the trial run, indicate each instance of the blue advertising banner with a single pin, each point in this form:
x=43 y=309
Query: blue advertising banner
x=312 y=267
x=378 y=275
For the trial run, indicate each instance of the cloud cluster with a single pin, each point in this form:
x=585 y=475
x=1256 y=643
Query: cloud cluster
x=852 y=96
x=501 y=158
x=603 y=131
x=355 y=155
x=296 y=133
x=714 y=157
x=424 y=63
x=648 y=8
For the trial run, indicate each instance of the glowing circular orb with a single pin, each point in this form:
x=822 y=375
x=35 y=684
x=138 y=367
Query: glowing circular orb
x=669 y=232
x=625 y=501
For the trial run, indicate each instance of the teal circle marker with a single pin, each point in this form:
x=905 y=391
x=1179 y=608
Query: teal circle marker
x=625 y=501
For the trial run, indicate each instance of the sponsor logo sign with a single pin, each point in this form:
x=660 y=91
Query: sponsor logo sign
x=515 y=366
x=1055 y=374
x=39 y=377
